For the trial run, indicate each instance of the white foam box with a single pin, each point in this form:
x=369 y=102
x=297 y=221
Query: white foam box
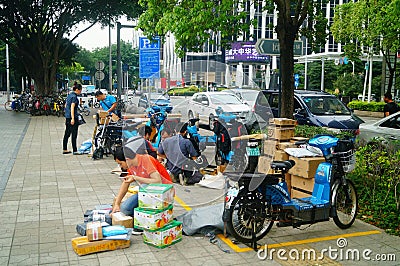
x=156 y=196
x=164 y=237
x=152 y=219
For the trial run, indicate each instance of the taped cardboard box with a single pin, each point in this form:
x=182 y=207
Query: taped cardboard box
x=281 y=155
x=102 y=114
x=299 y=194
x=152 y=219
x=164 y=237
x=270 y=147
x=306 y=184
x=82 y=246
x=156 y=196
x=94 y=231
x=306 y=166
x=283 y=122
x=264 y=164
x=118 y=218
x=280 y=133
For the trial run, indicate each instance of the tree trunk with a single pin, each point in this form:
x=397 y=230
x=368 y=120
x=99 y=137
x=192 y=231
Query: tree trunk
x=286 y=35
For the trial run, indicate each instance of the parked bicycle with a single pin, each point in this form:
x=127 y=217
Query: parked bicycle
x=263 y=199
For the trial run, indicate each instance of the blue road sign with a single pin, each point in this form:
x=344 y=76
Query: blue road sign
x=296 y=76
x=296 y=83
x=145 y=43
x=149 y=63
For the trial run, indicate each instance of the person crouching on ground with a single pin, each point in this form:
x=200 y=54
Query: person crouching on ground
x=142 y=168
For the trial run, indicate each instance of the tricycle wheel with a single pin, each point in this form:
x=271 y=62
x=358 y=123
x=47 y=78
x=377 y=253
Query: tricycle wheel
x=345 y=204
x=249 y=209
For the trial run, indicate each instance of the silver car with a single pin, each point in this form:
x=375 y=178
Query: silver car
x=387 y=130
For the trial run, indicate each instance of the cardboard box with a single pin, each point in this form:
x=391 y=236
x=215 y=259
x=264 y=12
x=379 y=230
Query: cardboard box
x=264 y=164
x=283 y=122
x=82 y=246
x=280 y=133
x=281 y=155
x=164 y=237
x=284 y=145
x=119 y=218
x=298 y=194
x=306 y=184
x=104 y=120
x=156 y=196
x=94 y=231
x=102 y=114
x=305 y=167
x=270 y=147
x=152 y=219
x=295 y=139
x=288 y=179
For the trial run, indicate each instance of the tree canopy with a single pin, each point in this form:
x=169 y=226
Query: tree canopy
x=193 y=23
x=39 y=31
x=372 y=25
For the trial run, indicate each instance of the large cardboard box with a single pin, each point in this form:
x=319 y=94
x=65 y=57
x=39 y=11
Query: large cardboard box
x=283 y=122
x=94 y=231
x=302 y=183
x=305 y=167
x=280 y=133
x=152 y=219
x=288 y=179
x=264 y=164
x=281 y=155
x=164 y=237
x=119 y=218
x=102 y=114
x=298 y=194
x=270 y=147
x=286 y=144
x=82 y=246
x=156 y=196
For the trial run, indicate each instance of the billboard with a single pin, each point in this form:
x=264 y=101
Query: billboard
x=245 y=52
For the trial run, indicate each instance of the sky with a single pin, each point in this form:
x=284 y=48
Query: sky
x=96 y=37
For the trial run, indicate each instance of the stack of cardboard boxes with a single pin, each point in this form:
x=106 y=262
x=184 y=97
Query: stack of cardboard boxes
x=300 y=178
x=155 y=216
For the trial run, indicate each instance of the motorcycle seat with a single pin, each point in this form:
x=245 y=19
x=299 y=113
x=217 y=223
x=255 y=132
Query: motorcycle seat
x=282 y=165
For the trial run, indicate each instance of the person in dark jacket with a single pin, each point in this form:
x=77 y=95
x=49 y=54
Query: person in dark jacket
x=71 y=120
x=390 y=107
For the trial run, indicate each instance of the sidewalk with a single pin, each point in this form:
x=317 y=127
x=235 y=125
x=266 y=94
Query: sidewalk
x=47 y=194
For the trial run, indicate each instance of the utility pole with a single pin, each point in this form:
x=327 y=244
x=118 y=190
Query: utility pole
x=119 y=74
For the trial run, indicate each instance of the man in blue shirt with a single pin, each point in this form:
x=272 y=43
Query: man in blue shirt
x=180 y=160
x=71 y=120
x=107 y=102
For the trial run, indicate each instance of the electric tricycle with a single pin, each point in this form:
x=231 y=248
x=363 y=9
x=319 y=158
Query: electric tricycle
x=264 y=199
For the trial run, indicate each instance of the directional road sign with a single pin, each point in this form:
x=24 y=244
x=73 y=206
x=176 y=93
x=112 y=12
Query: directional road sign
x=99 y=75
x=271 y=47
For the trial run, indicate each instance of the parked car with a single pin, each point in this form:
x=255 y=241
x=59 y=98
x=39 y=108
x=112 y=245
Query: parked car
x=204 y=104
x=314 y=108
x=147 y=100
x=246 y=95
x=386 y=130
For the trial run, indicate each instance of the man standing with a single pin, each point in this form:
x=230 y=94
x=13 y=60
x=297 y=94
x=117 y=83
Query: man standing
x=71 y=120
x=390 y=107
x=107 y=102
x=180 y=155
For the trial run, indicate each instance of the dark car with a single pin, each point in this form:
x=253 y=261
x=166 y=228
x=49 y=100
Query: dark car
x=147 y=100
x=314 y=108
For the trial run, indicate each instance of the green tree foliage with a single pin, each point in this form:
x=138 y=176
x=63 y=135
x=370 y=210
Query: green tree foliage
x=349 y=85
x=374 y=24
x=37 y=31
x=193 y=22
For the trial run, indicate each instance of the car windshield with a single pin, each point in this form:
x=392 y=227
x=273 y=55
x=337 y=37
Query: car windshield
x=225 y=99
x=158 y=96
x=250 y=95
x=325 y=105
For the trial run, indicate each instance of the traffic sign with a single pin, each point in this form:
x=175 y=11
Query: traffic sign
x=99 y=65
x=149 y=64
x=99 y=75
x=145 y=43
x=271 y=47
x=125 y=67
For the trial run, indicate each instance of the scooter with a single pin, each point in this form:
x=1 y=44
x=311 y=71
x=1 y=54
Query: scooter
x=264 y=199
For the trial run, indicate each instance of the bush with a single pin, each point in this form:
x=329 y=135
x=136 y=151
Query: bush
x=365 y=106
x=310 y=131
x=377 y=179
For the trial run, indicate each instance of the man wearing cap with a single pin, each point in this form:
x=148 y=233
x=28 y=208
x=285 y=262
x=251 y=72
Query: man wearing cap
x=141 y=167
x=107 y=102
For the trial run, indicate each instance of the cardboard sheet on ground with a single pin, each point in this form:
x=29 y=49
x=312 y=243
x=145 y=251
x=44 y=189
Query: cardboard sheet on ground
x=213 y=181
x=202 y=220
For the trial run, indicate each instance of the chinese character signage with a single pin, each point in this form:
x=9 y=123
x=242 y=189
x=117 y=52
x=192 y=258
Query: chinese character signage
x=245 y=52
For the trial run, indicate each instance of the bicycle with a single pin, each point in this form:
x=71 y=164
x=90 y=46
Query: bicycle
x=263 y=199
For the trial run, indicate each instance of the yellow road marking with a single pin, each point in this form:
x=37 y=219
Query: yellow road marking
x=238 y=249
x=298 y=242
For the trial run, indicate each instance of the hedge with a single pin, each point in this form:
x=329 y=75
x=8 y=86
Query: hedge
x=366 y=106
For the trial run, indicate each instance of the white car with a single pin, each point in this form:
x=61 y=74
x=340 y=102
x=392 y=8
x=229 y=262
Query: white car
x=203 y=105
